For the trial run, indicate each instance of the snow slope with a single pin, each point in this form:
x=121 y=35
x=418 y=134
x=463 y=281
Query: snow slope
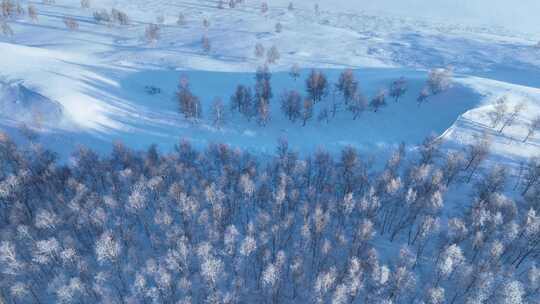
x=98 y=73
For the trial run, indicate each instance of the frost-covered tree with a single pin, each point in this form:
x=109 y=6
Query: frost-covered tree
x=500 y=109
x=511 y=117
x=85 y=4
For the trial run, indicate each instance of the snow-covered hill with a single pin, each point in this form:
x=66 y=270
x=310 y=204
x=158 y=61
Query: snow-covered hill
x=99 y=72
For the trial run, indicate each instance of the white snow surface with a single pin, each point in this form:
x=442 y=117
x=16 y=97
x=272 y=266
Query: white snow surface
x=95 y=78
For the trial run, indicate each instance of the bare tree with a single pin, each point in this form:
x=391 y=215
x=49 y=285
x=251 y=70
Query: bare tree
x=499 y=112
x=279 y=27
x=6 y=29
x=32 y=13
x=189 y=104
x=264 y=7
x=206 y=46
x=152 y=33
x=378 y=101
x=259 y=50
x=221 y=4
x=206 y=23
x=532 y=175
x=272 y=56
x=534 y=126
x=357 y=105
x=181 y=19
x=291 y=104
x=290 y=7
x=85 y=4
x=119 y=17
x=316 y=86
x=398 y=88
x=242 y=101
x=71 y=23
x=102 y=16
x=475 y=154
x=347 y=85
x=307 y=111
x=439 y=80
x=218 y=113
x=511 y=117
x=423 y=96
x=295 y=71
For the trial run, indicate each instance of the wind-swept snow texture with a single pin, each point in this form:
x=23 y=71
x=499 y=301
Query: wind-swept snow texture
x=97 y=77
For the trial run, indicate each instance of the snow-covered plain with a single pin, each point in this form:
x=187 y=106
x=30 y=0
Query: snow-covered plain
x=98 y=74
